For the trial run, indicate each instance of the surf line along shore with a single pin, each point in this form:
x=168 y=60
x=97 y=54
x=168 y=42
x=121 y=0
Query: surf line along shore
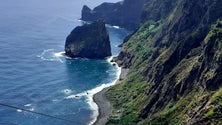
x=104 y=105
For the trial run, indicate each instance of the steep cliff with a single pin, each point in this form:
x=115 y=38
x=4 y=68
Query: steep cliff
x=157 y=10
x=175 y=61
x=89 y=41
x=125 y=14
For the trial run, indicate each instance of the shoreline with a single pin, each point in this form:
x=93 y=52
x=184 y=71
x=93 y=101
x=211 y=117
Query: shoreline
x=104 y=106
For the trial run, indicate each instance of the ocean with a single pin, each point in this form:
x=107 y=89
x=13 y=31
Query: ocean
x=34 y=74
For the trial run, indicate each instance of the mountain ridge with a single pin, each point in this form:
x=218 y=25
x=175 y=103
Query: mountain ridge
x=175 y=66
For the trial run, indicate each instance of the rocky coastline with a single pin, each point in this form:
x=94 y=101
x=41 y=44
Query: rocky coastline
x=125 y=13
x=104 y=105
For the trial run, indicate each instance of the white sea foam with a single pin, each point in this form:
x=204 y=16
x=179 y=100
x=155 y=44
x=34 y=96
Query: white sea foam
x=19 y=110
x=31 y=109
x=59 y=54
x=111 y=26
x=67 y=91
x=79 y=20
x=114 y=63
x=107 y=25
x=77 y=96
x=117 y=27
x=85 y=22
x=62 y=54
x=51 y=55
x=90 y=93
x=28 y=105
x=91 y=102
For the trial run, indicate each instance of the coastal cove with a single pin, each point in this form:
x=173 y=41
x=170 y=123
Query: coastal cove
x=104 y=105
x=111 y=62
x=35 y=74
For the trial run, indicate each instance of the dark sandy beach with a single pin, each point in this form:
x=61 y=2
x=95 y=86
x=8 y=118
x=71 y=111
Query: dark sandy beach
x=105 y=107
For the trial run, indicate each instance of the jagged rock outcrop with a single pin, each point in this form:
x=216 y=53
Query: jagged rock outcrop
x=175 y=66
x=88 y=41
x=125 y=14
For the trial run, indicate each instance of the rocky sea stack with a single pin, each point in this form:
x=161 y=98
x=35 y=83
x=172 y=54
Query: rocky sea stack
x=125 y=13
x=89 y=41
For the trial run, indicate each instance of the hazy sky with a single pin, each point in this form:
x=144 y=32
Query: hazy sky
x=65 y=8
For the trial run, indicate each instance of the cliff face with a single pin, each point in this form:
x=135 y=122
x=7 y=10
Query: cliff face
x=157 y=10
x=124 y=14
x=175 y=66
x=89 y=41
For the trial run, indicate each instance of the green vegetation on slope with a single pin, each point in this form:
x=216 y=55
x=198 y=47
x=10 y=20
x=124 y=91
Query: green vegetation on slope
x=140 y=43
x=128 y=97
x=213 y=111
x=176 y=70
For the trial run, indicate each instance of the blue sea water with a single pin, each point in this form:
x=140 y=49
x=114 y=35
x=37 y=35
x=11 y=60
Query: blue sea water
x=33 y=73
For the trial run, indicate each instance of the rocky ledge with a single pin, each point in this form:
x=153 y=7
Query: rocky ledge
x=89 y=41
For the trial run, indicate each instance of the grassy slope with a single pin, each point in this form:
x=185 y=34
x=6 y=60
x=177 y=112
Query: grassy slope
x=129 y=97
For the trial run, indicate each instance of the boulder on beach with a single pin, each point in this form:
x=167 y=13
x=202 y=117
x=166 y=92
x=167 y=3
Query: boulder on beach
x=89 y=41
